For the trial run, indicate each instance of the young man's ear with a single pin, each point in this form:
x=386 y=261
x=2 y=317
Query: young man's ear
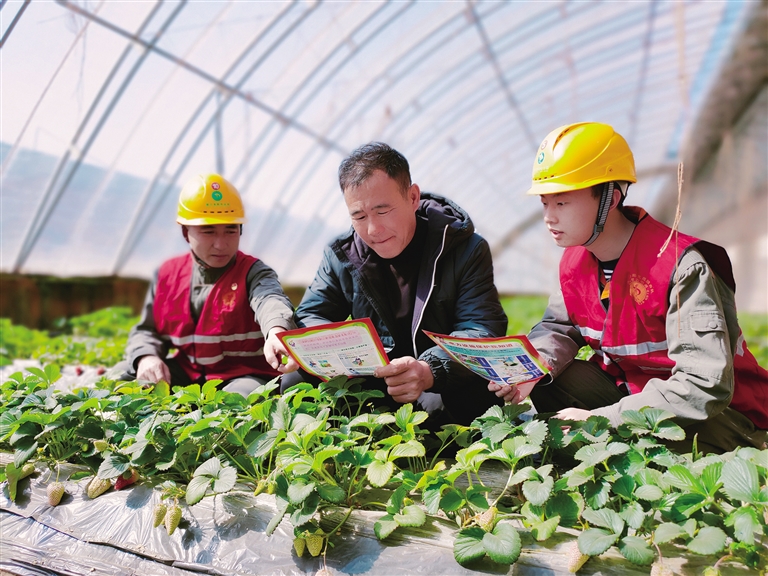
x=414 y=195
x=617 y=196
x=185 y=233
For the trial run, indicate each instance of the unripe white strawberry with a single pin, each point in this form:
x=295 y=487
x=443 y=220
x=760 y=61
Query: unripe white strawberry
x=100 y=445
x=260 y=487
x=97 y=487
x=26 y=470
x=158 y=514
x=575 y=558
x=315 y=543
x=487 y=520
x=299 y=544
x=55 y=491
x=708 y=571
x=661 y=569
x=172 y=518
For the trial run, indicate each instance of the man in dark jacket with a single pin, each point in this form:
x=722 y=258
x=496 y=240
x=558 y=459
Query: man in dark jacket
x=411 y=262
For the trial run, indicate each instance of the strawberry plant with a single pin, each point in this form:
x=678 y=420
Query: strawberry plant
x=325 y=451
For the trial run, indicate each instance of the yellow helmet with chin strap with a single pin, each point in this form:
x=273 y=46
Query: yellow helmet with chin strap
x=579 y=156
x=209 y=199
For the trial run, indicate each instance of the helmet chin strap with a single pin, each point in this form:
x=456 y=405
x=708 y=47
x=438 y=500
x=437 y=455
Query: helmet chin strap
x=602 y=212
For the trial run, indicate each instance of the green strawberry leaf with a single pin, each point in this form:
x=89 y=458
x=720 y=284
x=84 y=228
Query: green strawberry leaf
x=745 y=524
x=225 y=480
x=597 y=493
x=384 y=526
x=567 y=506
x=633 y=514
x=274 y=522
x=197 y=488
x=595 y=541
x=412 y=516
x=543 y=530
x=452 y=500
x=503 y=544
x=740 y=480
x=624 y=486
x=299 y=490
x=636 y=550
x=710 y=477
x=410 y=449
x=12 y=473
x=468 y=545
x=114 y=465
x=537 y=492
x=634 y=418
x=669 y=431
x=605 y=518
x=264 y=443
x=680 y=477
x=709 y=540
x=331 y=493
x=667 y=532
x=649 y=492
x=379 y=472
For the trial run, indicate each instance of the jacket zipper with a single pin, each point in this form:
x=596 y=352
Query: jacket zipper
x=429 y=294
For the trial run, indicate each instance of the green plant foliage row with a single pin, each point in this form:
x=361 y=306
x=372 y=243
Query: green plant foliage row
x=96 y=339
x=321 y=450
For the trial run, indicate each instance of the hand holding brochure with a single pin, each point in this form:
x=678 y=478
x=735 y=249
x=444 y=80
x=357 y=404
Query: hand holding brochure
x=350 y=348
x=507 y=361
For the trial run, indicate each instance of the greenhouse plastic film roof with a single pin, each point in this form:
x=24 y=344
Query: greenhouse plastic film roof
x=109 y=107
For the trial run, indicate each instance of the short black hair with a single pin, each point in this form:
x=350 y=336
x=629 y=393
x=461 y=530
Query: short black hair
x=362 y=162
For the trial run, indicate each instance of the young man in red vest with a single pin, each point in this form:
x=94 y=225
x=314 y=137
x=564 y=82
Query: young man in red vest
x=221 y=309
x=656 y=306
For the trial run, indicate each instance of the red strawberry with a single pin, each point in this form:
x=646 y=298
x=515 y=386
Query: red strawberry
x=126 y=479
x=79 y=370
x=100 y=370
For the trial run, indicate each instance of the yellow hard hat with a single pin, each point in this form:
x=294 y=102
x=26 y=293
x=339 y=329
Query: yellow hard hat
x=581 y=155
x=210 y=199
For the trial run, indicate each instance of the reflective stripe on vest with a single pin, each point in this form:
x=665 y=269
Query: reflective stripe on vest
x=212 y=339
x=207 y=361
x=627 y=349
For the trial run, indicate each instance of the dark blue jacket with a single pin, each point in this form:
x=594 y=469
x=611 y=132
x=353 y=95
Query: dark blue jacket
x=455 y=294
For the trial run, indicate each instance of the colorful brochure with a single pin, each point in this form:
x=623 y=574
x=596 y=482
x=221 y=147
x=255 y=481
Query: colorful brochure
x=510 y=360
x=350 y=348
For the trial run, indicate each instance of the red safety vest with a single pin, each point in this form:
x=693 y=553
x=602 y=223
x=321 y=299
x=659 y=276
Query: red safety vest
x=226 y=342
x=630 y=339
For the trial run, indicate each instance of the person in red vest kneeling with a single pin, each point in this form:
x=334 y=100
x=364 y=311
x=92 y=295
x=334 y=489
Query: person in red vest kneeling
x=219 y=308
x=656 y=306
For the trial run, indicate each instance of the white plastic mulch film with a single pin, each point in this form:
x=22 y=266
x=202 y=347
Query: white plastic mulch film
x=108 y=107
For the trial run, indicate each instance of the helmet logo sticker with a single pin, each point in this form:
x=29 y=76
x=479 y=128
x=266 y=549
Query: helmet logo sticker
x=540 y=158
x=640 y=288
x=543 y=145
x=216 y=195
x=215 y=185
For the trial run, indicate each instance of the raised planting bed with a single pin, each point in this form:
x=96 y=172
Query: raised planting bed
x=311 y=481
